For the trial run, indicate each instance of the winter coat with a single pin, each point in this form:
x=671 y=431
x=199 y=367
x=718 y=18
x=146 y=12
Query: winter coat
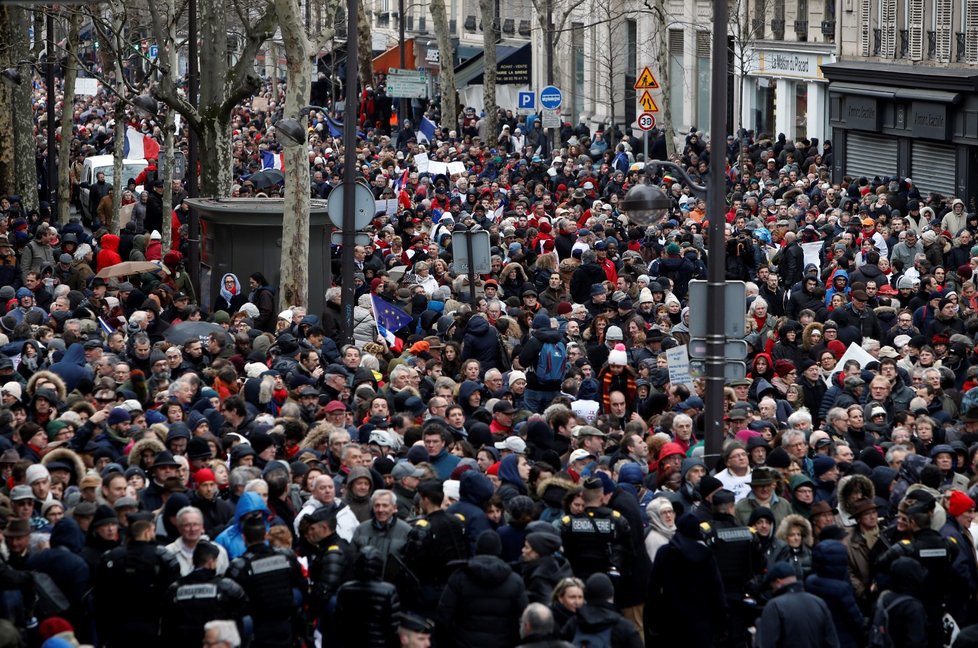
x=796 y=618
x=907 y=618
x=598 y=616
x=263 y=298
x=481 y=343
x=232 y=538
x=72 y=368
x=481 y=606
x=474 y=491
x=217 y=513
x=64 y=564
x=830 y=582
x=368 y=607
x=109 y=254
x=684 y=570
x=387 y=539
x=540 y=576
x=631 y=589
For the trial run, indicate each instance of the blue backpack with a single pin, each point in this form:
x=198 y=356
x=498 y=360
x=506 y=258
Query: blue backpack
x=598 y=639
x=552 y=362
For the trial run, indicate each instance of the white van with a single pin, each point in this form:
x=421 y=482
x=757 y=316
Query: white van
x=105 y=164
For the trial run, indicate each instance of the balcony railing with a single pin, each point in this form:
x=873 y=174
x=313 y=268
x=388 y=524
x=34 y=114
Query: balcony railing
x=931 y=44
x=757 y=25
x=877 y=42
x=904 y=41
x=777 y=29
x=801 y=30
x=959 y=46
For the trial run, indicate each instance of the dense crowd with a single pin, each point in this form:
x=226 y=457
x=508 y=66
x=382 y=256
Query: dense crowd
x=516 y=470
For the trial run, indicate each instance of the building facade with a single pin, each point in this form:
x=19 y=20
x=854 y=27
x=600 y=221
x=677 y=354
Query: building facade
x=903 y=99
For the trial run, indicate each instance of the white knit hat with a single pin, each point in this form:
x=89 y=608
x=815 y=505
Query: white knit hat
x=618 y=356
x=36 y=472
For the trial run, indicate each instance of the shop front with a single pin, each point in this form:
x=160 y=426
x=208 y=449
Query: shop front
x=906 y=122
x=785 y=92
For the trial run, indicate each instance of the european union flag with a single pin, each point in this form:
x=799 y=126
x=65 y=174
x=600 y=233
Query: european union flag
x=388 y=315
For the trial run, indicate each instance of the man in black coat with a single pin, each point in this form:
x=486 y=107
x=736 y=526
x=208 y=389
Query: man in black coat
x=793 y=616
x=369 y=607
x=483 y=600
x=130 y=587
x=537 y=628
x=154 y=208
x=332 y=563
x=792 y=261
x=585 y=276
x=599 y=621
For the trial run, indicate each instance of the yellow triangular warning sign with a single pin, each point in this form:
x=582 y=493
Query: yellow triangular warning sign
x=646 y=80
x=646 y=102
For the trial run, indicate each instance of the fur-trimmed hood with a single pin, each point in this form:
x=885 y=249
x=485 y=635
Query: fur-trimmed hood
x=69 y=457
x=553 y=489
x=850 y=485
x=317 y=436
x=150 y=442
x=799 y=521
x=47 y=376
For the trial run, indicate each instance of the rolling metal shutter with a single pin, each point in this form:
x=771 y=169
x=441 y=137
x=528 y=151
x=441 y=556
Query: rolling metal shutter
x=933 y=167
x=870 y=155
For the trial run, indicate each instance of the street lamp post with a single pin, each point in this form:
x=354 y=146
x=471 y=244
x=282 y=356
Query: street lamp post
x=193 y=90
x=350 y=110
x=52 y=169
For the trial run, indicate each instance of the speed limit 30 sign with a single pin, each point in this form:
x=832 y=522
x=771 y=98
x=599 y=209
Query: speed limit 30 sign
x=646 y=121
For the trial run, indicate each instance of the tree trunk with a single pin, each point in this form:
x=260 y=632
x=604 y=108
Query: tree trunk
x=166 y=173
x=215 y=156
x=118 y=182
x=662 y=59
x=365 y=48
x=446 y=76
x=64 y=146
x=488 y=10
x=8 y=167
x=294 y=266
x=25 y=148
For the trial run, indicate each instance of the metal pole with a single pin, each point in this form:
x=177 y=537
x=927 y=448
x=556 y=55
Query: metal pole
x=550 y=63
x=193 y=186
x=349 y=171
x=468 y=249
x=716 y=208
x=52 y=145
x=402 y=110
x=645 y=147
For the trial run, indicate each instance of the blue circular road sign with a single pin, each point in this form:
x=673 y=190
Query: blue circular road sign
x=550 y=97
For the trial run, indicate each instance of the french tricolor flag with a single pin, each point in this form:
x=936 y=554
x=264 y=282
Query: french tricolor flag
x=395 y=343
x=138 y=146
x=271 y=160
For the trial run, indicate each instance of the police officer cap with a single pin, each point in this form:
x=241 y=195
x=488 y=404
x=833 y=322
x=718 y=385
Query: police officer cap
x=412 y=622
x=323 y=514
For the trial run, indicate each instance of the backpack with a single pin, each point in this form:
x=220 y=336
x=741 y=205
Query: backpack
x=552 y=362
x=879 y=629
x=592 y=639
x=51 y=601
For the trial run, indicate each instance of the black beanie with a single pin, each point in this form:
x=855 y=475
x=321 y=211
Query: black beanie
x=543 y=543
x=598 y=588
x=489 y=544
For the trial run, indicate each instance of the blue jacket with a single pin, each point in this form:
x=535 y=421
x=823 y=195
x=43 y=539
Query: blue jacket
x=830 y=582
x=71 y=368
x=444 y=463
x=474 y=492
x=63 y=561
x=231 y=538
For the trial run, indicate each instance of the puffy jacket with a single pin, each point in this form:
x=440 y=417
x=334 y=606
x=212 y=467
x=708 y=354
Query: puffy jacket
x=481 y=606
x=596 y=617
x=387 y=539
x=830 y=582
x=481 y=343
x=231 y=538
x=64 y=564
x=72 y=367
x=531 y=353
x=367 y=606
x=109 y=254
x=540 y=576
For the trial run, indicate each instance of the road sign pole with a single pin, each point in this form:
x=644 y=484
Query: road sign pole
x=468 y=248
x=645 y=147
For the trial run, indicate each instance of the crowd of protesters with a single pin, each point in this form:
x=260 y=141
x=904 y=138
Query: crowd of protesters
x=514 y=470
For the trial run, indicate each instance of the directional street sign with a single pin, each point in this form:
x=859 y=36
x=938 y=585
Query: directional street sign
x=646 y=121
x=646 y=102
x=407 y=84
x=734 y=294
x=732 y=369
x=646 y=80
x=732 y=349
x=550 y=97
x=527 y=101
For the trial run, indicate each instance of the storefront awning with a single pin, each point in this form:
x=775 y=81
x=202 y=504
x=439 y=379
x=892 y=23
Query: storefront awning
x=392 y=58
x=513 y=66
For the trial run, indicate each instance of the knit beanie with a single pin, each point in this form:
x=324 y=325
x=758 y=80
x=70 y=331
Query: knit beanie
x=618 y=356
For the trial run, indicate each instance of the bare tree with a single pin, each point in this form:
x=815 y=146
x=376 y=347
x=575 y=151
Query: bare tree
x=446 y=76
x=64 y=145
x=18 y=171
x=222 y=85
x=747 y=22
x=364 y=47
x=299 y=53
x=489 y=37
x=561 y=11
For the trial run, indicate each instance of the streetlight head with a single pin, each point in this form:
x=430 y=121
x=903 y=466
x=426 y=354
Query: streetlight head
x=645 y=205
x=146 y=105
x=291 y=130
x=12 y=75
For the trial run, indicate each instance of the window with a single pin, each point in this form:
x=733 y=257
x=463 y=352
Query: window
x=677 y=76
x=577 y=48
x=865 y=27
x=801 y=109
x=887 y=13
x=942 y=30
x=702 y=80
x=970 y=28
x=915 y=29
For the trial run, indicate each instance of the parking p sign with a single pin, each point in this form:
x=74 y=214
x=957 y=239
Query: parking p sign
x=527 y=101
